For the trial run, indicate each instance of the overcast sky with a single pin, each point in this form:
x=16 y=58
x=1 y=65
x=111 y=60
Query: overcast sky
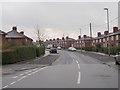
x=58 y=18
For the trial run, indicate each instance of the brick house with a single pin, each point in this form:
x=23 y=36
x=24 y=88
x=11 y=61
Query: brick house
x=17 y=38
x=3 y=40
x=64 y=42
x=112 y=39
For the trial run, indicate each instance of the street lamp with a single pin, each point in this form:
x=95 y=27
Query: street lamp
x=106 y=9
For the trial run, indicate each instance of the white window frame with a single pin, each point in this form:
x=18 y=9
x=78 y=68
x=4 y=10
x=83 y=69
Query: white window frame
x=117 y=37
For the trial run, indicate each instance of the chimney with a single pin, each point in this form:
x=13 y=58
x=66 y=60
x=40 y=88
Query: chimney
x=57 y=38
x=22 y=32
x=79 y=37
x=14 y=28
x=115 y=29
x=62 y=38
x=105 y=32
x=50 y=39
x=84 y=36
x=66 y=37
x=99 y=34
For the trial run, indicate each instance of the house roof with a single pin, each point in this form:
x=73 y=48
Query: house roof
x=70 y=39
x=15 y=34
x=2 y=32
x=110 y=34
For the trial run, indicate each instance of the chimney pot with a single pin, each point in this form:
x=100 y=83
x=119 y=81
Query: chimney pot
x=79 y=37
x=115 y=29
x=22 y=32
x=99 y=34
x=105 y=32
x=84 y=36
x=14 y=28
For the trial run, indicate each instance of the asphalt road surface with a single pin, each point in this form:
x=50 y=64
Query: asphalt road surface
x=70 y=70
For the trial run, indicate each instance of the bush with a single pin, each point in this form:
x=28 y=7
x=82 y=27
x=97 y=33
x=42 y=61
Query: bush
x=88 y=48
x=40 y=51
x=18 y=54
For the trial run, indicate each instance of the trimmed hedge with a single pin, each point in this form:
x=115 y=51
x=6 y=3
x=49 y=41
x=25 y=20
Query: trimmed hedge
x=40 y=51
x=113 y=50
x=22 y=53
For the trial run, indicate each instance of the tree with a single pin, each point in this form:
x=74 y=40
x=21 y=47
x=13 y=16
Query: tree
x=40 y=36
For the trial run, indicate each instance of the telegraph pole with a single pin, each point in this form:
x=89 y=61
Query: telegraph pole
x=90 y=31
x=80 y=39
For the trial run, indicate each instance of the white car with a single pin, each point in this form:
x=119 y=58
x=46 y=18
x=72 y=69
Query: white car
x=72 y=49
x=59 y=48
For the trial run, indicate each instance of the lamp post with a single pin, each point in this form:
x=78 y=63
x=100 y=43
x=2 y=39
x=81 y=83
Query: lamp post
x=106 y=9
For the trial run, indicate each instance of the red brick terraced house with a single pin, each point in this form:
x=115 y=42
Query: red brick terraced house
x=83 y=41
x=112 y=39
x=17 y=38
x=3 y=40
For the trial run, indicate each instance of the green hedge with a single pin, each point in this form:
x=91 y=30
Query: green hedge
x=40 y=51
x=18 y=54
x=113 y=50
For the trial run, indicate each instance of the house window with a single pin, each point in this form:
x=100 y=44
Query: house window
x=104 y=40
x=25 y=40
x=112 y=37
x=117 y=37
x=117 y=44
x=100 y=40
x=107 y=38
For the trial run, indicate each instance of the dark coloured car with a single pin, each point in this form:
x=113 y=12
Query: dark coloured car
x=117 y=59
x=53 y=50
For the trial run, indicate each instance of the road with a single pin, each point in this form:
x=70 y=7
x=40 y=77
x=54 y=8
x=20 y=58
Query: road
x=70 y=70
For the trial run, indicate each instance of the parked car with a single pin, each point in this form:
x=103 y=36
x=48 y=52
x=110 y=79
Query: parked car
x=72 y=49
x=59 y=48
x=53 y=50
x=117 y=59
x=49 y=46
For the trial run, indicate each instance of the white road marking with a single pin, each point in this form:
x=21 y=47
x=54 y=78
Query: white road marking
x=19 y=79
x=5 y=86
x=15 y=77
x=78 y=66
x=21 y=74
x=76 y=61
x=24 y=76
x=13 y=83
x=79 y=77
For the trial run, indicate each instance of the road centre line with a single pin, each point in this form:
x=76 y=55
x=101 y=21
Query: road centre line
x=76 y=61
x=78 y=66
x=79 y=77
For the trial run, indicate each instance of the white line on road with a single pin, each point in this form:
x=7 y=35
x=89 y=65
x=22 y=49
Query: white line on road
x=12 y=82
x=5 y=86
x=78 y=66
x=35 y=71
x=15 y=77
x=76 y=61
x=79 y=77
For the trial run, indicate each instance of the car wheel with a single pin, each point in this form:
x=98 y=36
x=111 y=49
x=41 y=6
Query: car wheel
x=116 y=63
